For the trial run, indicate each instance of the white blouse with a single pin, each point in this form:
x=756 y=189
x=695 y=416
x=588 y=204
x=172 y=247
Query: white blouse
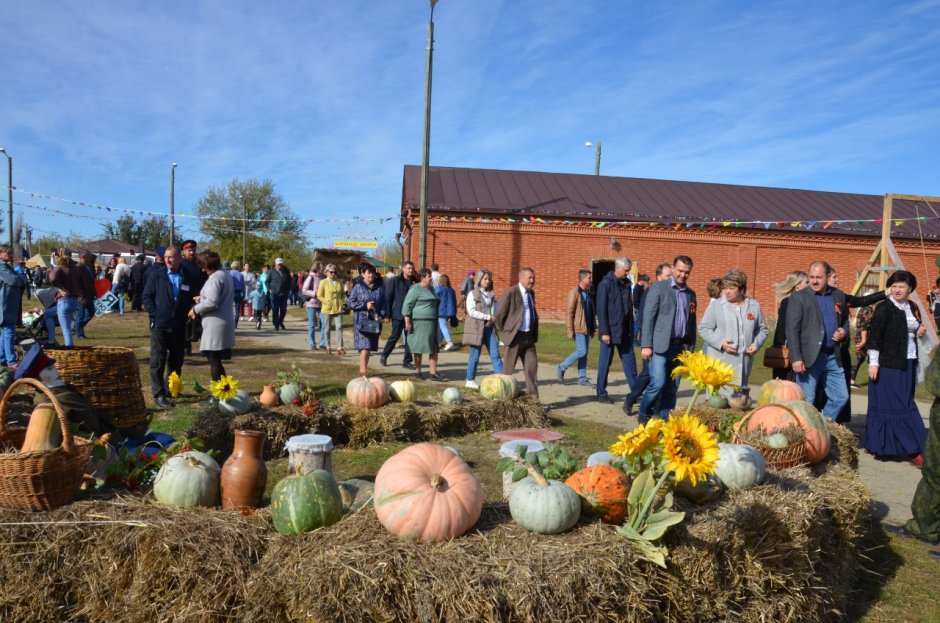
x=489 y=305
x=912 y=326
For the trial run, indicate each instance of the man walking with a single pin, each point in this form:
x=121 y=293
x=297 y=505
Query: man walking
x=669 y=329
x=168 y=297
x=198 y=279
x=615 y=325
x=579 y=322
x=395 y=291
x=817 y=323
x=518 y=323
x=663 y=272
x=279 y=283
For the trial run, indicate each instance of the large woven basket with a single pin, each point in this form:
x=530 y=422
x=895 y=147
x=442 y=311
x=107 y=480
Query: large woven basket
x=41 y=480
x=791 y=455
x=109 y=377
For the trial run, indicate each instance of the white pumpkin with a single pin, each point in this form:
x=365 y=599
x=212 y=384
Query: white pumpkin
x=778 y=440
x=544 y=508
x=740 y=466
x=402 y=391
x=452 y=396
x=238 y=405
x=288 y=393
x=188 y=479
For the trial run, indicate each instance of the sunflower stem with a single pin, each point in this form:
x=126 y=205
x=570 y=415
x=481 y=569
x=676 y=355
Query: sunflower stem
x=644 y=512
x=688 y=410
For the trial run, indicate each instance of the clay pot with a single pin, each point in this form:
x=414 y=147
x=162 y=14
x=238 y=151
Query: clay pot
x=268 y=397
x=742 y=400
x=244 y=474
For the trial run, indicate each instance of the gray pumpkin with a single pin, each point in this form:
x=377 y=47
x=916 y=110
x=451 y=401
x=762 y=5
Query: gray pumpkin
x=544 y=506
x=288 y=393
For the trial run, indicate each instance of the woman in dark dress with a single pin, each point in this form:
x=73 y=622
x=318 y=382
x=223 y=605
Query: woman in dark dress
x=894 y=427
x=366 y=300
x=796 y=280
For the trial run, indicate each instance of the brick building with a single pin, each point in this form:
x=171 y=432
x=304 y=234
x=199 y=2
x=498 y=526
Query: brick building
x=558 y=223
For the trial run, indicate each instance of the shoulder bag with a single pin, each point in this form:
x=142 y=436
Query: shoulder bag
x=370 y=325
x=777 y=357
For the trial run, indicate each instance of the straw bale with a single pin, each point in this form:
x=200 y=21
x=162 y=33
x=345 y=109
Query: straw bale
x=279 y=424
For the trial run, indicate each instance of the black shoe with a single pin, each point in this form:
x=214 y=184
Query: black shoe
x=434 y=376
x=408 y=365
x=605 y=399
x=383 y=360
x=162 y=403
x=628 y=406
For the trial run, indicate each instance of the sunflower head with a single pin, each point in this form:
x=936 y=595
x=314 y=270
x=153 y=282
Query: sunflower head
x=704 y=372
x=225 y=388
x=691 y=451
x=175 y=385
x=641 y=439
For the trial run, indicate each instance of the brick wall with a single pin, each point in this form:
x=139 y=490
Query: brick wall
x=557 y=252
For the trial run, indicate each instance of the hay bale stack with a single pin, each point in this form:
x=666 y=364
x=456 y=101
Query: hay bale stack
x=278 y=424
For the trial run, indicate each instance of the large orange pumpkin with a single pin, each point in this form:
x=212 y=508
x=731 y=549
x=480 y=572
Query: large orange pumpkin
x=603 y=491
x=427 y=493
x=778 y=390
x=781 y=415
x=370 y=393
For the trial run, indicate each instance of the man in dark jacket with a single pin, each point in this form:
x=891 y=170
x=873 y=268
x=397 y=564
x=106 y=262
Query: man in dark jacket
x=639 y=291
x=168 y=297
x=138 y=279
x=198 y=279
x=615 y=325
x=279 y=284
x=395 y=291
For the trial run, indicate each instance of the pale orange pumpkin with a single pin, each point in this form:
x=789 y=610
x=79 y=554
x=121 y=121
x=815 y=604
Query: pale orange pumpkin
x=777 y=416
x=370 y=393
x=44 y=431
x=778 y=390
x=427 y=493
x=603 y=491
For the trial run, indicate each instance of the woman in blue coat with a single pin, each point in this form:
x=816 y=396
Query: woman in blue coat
x=446 y=311
x=366 y=301
x=11 y=291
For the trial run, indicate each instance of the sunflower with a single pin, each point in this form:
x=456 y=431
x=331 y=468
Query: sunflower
x=691 y=450
x=704 y=372
x=223 y=389
x=641 y=439
x=175 y=385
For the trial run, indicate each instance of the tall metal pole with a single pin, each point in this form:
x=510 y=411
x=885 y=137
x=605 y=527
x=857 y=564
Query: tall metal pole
x=9 y=194
x=245 y=234
x=423 y=244
x=172 y=201
x=597 y=159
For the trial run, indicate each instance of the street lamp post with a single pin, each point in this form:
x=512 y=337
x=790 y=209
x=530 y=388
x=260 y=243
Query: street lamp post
x=597 y=156
x=244 y=232
x=9 y=193
x=423 y=246
x=172 y=201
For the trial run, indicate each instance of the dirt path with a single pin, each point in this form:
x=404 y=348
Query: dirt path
x=892 y=484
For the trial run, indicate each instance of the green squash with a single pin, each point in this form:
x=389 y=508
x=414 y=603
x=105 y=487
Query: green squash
x=498 y=387
x=740 y=466
x=703 y=492
x=452 y=396
x=301 y=503
x=288 y=393
x=717 y=401
x=547 y=508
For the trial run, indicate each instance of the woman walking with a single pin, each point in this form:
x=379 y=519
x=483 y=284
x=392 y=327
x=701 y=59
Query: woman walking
x=447 y=310
x=733 y=327
x=331 y=295
x=367 y=304
x=121 y=279
x=419 y=311
x=66 y=277
x=894 y=428
x=312 y=304
x=214 y=304
x=795 y=281
x=479 y=328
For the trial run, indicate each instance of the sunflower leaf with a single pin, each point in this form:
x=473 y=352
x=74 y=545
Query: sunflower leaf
x=519 y=473
x=627 y=531
x=655 y=530
x=637 y=491
x=652 y=552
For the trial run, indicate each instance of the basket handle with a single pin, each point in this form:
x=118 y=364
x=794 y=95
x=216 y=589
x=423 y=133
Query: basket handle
x=742 y=425
x=60 y=412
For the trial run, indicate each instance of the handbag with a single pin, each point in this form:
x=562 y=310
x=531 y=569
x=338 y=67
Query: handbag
x=777 y=357
x=454 y=323
x=370 y=325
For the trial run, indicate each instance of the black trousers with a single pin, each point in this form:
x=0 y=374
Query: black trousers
x=137 y=290
x=166 y=351
x=215 y=364
x=398 y=327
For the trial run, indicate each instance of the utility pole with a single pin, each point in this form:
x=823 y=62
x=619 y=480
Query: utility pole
x=245 y=233
x=423 y=244
x=172 y=201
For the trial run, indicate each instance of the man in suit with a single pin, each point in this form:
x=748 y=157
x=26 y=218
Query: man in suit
x=663 y=273
x=668 y=329
x=615 y=326
x=168 y=297
x=518 y=324
x=817 y=324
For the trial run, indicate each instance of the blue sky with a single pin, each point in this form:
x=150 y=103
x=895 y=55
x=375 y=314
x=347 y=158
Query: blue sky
x=326 y=99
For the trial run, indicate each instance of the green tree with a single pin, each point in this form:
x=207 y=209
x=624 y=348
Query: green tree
x=271 y=228
x=155 y=232
x=126 y=229
x=389 y=252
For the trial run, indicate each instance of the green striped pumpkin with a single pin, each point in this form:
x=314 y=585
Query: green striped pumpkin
x=301 y=503
x=498 y=387
x=370 y=393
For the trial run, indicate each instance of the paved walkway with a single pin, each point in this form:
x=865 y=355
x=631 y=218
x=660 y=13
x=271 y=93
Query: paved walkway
x=892 y=484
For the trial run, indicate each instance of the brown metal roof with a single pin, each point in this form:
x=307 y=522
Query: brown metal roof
x=567 y=196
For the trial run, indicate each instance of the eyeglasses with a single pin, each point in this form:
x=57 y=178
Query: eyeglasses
x=331 y=271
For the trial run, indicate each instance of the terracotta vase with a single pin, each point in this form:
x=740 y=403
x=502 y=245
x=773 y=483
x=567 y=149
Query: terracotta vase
x=268 y=397
x=244 y=474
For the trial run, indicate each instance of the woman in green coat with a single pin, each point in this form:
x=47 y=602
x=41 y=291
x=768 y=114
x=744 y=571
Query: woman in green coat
x=419 y=311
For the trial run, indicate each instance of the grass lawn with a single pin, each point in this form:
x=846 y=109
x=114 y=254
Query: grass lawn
x=902 y=584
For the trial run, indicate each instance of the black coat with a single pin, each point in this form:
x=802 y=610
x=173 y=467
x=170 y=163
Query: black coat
x=615 y=309
x=395 y=291
x=139 y=273
x=165 y=314
x=888 y=335
x=279 y=281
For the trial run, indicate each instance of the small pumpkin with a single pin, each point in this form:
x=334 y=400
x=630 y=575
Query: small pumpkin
x=452 y=396
x=43 y=432
x=356 y=493
x=603 y=491
x=498 y=387
x=237 y=405
x=427 y=493
x=402 y=391
x=778 y=390
x=288 y=393
x=188 y=479
x=544 y=506
x=740 y=466
x=304 y=502
x=370 y=393
x=717 y=401
x=778 y=440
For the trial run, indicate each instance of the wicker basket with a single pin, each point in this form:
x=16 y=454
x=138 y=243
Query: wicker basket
x=109 y=377
x=42 y=480
x=792 y=455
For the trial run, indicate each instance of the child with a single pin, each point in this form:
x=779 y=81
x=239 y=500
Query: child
x=257 y=300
